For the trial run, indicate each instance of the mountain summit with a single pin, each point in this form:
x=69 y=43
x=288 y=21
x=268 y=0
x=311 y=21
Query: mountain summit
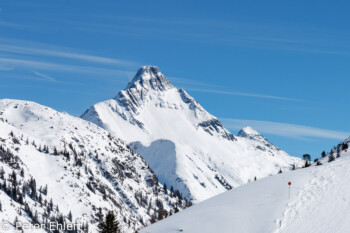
x=149 y=77
x=148 y=83
x=248 y=132
x=251 y=134
x=187 y=147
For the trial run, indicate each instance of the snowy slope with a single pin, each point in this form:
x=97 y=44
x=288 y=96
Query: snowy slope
x=319 y=202
x=186 y=146
x=87 y=171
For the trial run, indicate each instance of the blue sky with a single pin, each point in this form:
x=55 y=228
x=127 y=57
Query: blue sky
x=280 y=66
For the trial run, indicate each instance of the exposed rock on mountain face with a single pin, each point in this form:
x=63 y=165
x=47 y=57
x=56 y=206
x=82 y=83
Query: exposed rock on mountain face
x=186 y=146
x=216 y=126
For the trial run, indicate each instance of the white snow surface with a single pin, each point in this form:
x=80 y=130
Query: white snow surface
x=119 y=179
x=186 y=146
x=319 y=202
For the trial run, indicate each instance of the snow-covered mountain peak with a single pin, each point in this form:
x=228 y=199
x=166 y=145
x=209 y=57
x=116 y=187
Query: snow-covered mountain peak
x=148 y=84
x=149 y=77
x=248 y=132
x=252 y=135
x=187 y=147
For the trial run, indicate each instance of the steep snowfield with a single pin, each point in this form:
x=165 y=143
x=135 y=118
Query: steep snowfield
x=186 y=146
x=92 y=171
x=319 y=202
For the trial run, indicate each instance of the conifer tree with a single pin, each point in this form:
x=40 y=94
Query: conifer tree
x=345 y=146
x=338 y=149
x=165 y=188
x=307 y=163
x=45 y=190
x=153 y=219
x=15 y=222
x=2 y=173
x=14 y=178
x=87 y=227
x=307 y=157
x=110 y=225
x=55 y=152
x=32 y=186
x=70 y=216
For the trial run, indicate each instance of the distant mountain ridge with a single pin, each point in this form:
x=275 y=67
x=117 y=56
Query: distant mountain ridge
x=186 y=146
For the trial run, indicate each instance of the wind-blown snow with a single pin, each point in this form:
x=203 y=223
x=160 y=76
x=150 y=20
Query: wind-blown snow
x=186 y=146
x=319 y=202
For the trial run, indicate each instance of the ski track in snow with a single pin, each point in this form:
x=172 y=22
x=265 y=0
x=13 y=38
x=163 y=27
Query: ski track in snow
x=311 y=197
x=309 y=192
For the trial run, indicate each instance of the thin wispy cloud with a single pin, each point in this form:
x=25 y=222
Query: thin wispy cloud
x=38 y=76
x=270 y=42
x=221 y=92
x=69 y=55
x=255 y=95
x=45 y=77
x=53 y=88
x=182 y=29
x=318 y=51
x=20 y=55
x=12 y=25
x=190 y=82
x=285 y=129
x=5 y=67
x=39 y=65
x=234 y=33
x=182 y=21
